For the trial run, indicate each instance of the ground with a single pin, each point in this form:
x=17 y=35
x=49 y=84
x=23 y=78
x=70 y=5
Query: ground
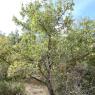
x=35 y=88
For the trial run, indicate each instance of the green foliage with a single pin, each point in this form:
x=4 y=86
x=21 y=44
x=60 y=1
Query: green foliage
x=20 y=70
x=76 y=46
x=3 y=70
x=5 y=50
x=14 y=37
x=11 y=88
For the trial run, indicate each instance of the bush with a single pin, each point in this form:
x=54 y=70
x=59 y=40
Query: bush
x=3 y=70
x=19 y=70
x=11 y=88
x=71 y=81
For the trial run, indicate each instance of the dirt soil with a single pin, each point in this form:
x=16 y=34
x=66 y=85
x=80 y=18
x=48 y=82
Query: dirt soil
x=34 y=88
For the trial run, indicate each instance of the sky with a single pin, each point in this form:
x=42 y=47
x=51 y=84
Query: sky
x=9 y=8
x=84 y=8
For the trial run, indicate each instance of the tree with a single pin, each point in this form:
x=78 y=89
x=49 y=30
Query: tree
x=5 y=53
x=14 y=37
x=53 y=43
x=47 y=18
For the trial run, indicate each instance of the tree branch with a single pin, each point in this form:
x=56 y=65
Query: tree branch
x=41 y=81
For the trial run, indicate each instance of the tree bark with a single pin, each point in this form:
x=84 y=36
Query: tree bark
x=49 y=76
x=50 y=88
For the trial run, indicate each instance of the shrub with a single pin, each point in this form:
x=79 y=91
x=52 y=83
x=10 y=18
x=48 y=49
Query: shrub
x=20 y=70
x=11 y=88
x=3 y=70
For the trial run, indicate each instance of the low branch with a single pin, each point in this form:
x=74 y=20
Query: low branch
x=40 y=69
x=80 y=57
x=41 y=81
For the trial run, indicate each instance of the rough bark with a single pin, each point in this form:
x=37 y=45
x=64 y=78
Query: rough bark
x=50 y=88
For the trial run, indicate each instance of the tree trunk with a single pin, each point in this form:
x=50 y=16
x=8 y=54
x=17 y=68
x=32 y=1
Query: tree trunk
x=50 y=89
x=49 y=67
